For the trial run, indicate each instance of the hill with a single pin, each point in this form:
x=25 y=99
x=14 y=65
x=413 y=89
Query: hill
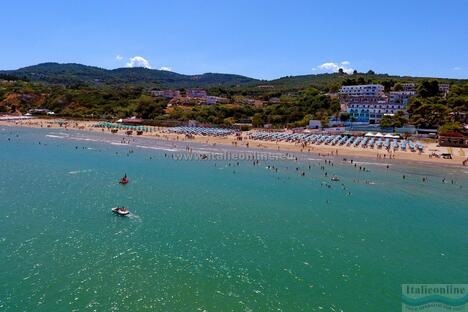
x=77 y=74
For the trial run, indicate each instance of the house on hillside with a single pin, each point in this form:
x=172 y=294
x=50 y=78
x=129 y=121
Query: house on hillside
x=196 y=93
x=210 y=100
x=315 y=124
x=168 y=94
x=40 y=111
x=274 y=100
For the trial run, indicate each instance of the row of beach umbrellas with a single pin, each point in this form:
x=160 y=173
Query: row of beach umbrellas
x=379 y=141
x=202 y=131
x=111 y=125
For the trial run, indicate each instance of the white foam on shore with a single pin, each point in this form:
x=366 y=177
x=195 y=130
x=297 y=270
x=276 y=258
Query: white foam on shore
x=85 y=139
x=120 y=144
x=370 y=163
x=159 y=148
x=55 y=136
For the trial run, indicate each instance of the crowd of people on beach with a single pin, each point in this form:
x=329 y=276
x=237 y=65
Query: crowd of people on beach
x=239 y=140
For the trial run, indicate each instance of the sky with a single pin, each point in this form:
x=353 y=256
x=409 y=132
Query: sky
x=256 y=38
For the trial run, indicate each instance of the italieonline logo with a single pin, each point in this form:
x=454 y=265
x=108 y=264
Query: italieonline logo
x=230 y=156
x=434 y=297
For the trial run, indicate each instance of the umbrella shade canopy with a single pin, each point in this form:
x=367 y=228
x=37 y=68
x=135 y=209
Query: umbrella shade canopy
x=379 y=135
x=369 y=134
x=388 y=135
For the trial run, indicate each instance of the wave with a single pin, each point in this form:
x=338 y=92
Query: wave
x=118 y=143
x=85 y=139
x=370 y=163
x=159 y=148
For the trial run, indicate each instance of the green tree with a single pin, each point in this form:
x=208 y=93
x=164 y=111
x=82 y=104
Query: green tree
x=344 y=116
x=427 y=114
x=450 y=126
x=398 y=87
x=428 y=88
x=388 y=84
x=149 y=107
x=397 y=120
x=257 y=120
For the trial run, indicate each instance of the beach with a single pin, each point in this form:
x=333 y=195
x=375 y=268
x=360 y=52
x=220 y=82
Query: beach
x=161 y=133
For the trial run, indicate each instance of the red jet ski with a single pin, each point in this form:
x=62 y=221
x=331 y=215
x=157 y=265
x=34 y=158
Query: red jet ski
x=124 y=180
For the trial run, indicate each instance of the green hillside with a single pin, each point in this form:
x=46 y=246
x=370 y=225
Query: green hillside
x=77 y=74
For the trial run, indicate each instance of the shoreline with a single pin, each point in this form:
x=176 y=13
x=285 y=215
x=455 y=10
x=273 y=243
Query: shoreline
x=161 y=133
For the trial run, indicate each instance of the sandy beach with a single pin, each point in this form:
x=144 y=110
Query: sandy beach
x=458 y=154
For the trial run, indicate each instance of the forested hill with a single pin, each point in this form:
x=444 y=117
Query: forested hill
x=77 y=74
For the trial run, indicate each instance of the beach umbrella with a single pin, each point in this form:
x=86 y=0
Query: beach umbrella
x=379 y=135
x=369 y=134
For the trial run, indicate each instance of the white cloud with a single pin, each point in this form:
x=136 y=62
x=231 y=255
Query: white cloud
x=119 y=57
x=334 y=67
x=457 y=68
x=165 y=68
x=138 y=61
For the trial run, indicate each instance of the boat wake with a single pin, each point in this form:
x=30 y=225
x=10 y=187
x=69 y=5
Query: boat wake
x=79 y=171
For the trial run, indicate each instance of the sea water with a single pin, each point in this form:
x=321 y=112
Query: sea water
x=217 y=235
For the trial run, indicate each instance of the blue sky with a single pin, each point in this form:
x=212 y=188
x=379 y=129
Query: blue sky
x=261 y=39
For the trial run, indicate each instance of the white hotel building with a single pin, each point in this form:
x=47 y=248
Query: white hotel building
x=362 y=90
x=368 y=103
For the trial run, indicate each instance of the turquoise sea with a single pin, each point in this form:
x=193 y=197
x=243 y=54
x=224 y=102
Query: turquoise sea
x=214 y=235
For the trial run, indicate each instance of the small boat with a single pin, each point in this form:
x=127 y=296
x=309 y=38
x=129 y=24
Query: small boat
x=124 y=180
x=121 y=211
x=335 y=178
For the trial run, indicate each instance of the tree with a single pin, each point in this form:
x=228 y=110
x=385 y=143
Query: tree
x=450 y=126
x=428 y=88
x=427 y=114
x=355 y=72
x=150 y=108
x=257 y=120
x=341 y=71
x=395 y=121
x=361 y=81
x=388 y=84
x=344 y=116
x=371 y=72
x=398 y=87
